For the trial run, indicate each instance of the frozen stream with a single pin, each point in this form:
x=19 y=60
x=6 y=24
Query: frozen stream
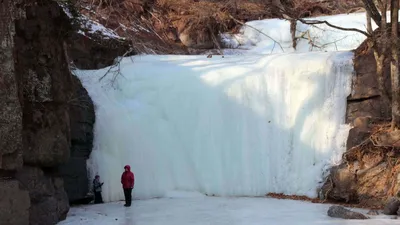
x=212 y=210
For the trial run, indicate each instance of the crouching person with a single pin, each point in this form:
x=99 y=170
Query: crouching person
x=97 y=190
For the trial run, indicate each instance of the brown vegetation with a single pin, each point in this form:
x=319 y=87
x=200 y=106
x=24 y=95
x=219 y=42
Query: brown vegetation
x=176 y=26
x=317 y=200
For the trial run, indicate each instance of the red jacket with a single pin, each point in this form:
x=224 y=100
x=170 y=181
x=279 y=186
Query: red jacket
x=128 y=178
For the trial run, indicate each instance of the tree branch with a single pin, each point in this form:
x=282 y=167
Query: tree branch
x=373 y=11
x=313 y=22
x=275 y=42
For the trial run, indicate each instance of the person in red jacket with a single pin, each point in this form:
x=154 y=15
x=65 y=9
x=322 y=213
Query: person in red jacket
x=128 y=182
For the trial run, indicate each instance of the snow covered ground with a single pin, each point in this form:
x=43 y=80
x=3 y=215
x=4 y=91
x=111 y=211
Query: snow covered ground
x=213 y=211
x=262 y=36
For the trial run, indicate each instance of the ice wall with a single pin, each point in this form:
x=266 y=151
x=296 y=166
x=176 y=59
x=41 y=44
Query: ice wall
x=233 y=126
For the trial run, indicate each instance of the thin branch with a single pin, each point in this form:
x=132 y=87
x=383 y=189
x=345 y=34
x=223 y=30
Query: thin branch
x=313 y=22
x=275 y=42
x=116 y=65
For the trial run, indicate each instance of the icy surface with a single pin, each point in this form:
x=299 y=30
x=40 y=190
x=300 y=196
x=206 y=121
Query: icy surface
x=233 y=126
x=218 y=211
x=262 y=36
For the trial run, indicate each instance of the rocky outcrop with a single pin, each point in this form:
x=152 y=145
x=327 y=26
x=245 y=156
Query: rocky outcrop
x=14 y=200
x=82 y=118
x=34 y=112
x=343 y=213
x=198 y=34
x=392 y=206
x=14 y=203
x=49 y=202
x=368 y=174
x=94 y=51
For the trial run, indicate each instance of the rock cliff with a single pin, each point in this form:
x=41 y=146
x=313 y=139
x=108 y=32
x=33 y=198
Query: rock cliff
x=369 y=173
x=35 y=98
x=82 y=118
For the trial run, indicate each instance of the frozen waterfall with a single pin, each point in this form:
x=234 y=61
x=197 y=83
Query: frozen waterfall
x=233 y=126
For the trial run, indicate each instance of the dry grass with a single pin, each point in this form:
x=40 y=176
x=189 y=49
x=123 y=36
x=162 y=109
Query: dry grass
x=316 y=200
x=204 y=19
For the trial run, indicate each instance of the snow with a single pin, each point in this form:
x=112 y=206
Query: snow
x=89 y=26
x=93 y=27
x=209 y=210
x=233 y=126
x=253 y=39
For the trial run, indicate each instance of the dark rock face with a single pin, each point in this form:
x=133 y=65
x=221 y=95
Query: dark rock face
x=14 y=200
x=365 y=100
x=82 y=118
x=14 y=203
x=44 y=75
x=35 y=90
x=341 y=212
x=93 y=50
x=392 y=206
x=44 y=82
x=48 y=198
x=10 y=108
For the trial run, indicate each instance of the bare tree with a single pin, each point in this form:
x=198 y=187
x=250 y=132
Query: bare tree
x=277 y=4
x=394 y=65
x=373 y=11
x=380 y=41
x=369 y=23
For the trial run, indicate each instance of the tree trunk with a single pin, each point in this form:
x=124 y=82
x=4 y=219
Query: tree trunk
x=373 y=11
x=369 y=23
x=293 y=28
x=394 y=65
x=380 y=60
x=382 y=44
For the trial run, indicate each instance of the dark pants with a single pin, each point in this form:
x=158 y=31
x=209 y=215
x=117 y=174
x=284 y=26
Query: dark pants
x=128 y=196
x=97 y=197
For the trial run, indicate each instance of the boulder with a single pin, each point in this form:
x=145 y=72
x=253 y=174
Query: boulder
x=356 y=136
x=49 y=202
x=343 y=213
x=14 y=203
x=198 y=34
x=373 y=212
x=392 y=206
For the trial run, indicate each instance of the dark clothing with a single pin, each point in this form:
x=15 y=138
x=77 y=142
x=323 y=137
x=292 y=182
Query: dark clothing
x=127 y=178
x=97 y=197
x=128 y=196
x=97 y=185
x=97 y=191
